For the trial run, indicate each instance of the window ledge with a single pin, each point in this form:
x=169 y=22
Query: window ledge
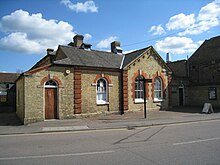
x=137 y=101
x=158 y=100
x=102 y=103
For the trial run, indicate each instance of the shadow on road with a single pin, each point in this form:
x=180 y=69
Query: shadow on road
x=8 y=117
x=190 y=109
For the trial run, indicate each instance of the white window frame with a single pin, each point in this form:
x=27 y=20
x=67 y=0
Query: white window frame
x=160 y=89
x=102 y=90
x=139 y=90
x=51 y=84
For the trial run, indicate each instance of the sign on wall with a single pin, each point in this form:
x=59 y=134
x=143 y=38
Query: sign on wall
x=212 y=93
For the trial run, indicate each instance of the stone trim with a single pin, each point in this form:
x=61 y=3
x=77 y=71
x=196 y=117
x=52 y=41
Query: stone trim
x=38 y=69
x=77 y=90
x=135 y=74
x=46 y=78
x=98 y=76
x=162 y=77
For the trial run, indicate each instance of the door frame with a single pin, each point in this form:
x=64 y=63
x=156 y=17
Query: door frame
x=55 y=86
x=183 y=95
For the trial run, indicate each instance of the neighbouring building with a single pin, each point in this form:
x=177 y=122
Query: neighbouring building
x=76 y=81
x=7 y=89
x=179 y=84
x=197 y=80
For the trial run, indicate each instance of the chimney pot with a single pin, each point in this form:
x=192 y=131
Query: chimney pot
x=115 y=47
x=78 y=40
x=49 y=50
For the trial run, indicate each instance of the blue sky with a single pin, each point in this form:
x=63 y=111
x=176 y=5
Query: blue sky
x=29 y=27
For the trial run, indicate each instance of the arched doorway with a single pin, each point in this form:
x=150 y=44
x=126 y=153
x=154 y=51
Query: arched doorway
x=51 y=99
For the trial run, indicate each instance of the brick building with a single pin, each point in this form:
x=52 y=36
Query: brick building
x=7 y=89
x=197 y=80
x=75 y=81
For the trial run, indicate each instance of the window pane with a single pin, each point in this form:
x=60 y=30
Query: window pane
x=51 y=83
x=158 y=88
x=136 y=94
x=101 y=96
x=101 y=90
x=141 y=94
x=139 y=90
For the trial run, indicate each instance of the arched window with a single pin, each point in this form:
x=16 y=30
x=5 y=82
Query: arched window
x=139 y=90
x=158 y=93
x=101 y=91
x=51 y=84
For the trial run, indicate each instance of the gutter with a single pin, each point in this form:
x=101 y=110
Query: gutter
x=122 y=62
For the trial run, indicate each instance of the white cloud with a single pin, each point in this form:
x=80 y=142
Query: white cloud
x=200 y=27
x=104 y=44
x=176 y=45
x=208 y=17
x=19 y=42
x=157 y=30
x=31 y=33
x=88 y=6
x=87 y=36
x=211 y=10
x=200 y=42
x=180 y=21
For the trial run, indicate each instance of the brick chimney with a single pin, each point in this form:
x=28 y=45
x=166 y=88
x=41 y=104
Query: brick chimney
x=78 y=40
x=115 y=47
x=49 y=50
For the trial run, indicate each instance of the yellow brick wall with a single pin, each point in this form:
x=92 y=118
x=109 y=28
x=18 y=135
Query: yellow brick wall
x=89 y=104
x=150 y=64
x=31 y=88
x=35 y=94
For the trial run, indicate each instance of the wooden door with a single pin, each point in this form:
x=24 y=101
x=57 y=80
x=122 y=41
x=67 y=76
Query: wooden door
x=50 y=103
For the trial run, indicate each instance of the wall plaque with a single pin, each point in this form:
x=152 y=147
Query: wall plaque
x=212 y=93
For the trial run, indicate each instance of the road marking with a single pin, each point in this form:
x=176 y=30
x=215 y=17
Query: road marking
x=57 y=155
x=67 y=128
x=196 y=141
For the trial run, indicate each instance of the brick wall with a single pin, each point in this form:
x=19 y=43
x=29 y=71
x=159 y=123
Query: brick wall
x=77 y=92
x=125 y=90
x=199 y=96
x=34 y=94
x=150 y=66
x=89 y=104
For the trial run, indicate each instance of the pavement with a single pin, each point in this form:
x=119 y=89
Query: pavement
x=10 y=124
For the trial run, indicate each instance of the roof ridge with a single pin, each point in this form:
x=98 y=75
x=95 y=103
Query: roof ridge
x=102 y=51
x=90 y=58
x=137 y=50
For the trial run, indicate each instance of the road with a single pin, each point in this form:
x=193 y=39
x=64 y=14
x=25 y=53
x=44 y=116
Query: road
x=194 y=143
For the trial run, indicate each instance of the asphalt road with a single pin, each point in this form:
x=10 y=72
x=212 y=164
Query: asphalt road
x=194 y=143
